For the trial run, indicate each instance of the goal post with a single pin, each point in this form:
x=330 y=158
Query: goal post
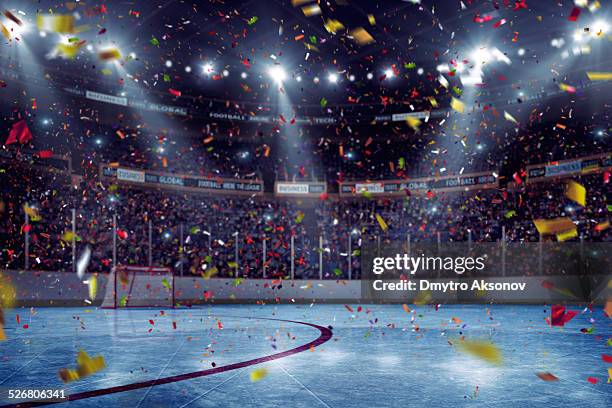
x=139 y=286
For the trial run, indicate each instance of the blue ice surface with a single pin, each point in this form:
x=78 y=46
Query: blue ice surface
x=376 y=358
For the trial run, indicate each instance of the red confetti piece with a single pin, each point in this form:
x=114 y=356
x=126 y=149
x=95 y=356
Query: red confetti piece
x=350 y=309
x=606 y=358
x=174 y=92
x=547 y=376
x=499 y=23
x=558 y=315
x=574 y=14
x=592 y=380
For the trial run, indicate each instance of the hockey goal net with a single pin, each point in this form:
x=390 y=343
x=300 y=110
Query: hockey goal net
x=139 y=286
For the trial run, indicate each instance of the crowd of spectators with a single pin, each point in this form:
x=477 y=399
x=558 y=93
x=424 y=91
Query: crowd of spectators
x=224 y=236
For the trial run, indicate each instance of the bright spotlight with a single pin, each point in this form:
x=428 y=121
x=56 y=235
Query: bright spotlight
x=243 y=75
x=370 y=75
x=298 y=78
x=208 y=69
x=481 y=55
x=333 y=78
x=315 y=80
x=225 y=73
x=277 y=73
x=351 y=78
x=168 y=64
x=599 y=29
x=389 y=73
x=187 y=69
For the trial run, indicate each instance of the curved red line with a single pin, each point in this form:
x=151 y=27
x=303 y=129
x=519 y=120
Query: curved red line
x=325 y=335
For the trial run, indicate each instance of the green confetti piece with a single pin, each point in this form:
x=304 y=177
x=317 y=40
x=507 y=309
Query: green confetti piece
x=166 y=78
x=338 y=272
x=154 y=41
x=410 y=65
x=123 y=301
x=323 y=102
x=457 y=90
x=253 y=20
x=106 y=71
x=237 y=282
x=510 y=214
x=313 y=39
x=166 y=284
x=401 y=163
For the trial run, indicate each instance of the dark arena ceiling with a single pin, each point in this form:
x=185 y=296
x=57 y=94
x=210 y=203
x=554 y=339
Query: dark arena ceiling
x=412 y=71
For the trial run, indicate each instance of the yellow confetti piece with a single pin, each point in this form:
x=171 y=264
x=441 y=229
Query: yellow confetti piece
x=297 y=3
x=5 y=32
x=68 y=236
x=413 y=122
x=576 y=192
x=422 y=298
x=32 y=212
x=333 y=26
x=86 y=366
x=483 y=350
x=210 y=272
x=600 y=76
x=433 y=101
x=8 y=294
x=509 y=117
x=92 y=285
x=457 y=105
x=311 y=10
x=554 y=226
x=371 y=19
x=564 y=236
x=258 y=374
x=57 y=23
x=2 y=335
x=68 y=50
x=361 y=36
x=311 y=47
x=567 y=88
x=382 y=223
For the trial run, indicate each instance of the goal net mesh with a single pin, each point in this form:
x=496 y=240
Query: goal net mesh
x=139 y=286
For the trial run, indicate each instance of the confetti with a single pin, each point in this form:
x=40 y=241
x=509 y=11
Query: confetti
x=361 y=36
x=258 y=374
x=481 y=349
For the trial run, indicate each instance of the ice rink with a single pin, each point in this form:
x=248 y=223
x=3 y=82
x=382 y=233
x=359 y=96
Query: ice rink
x=344 y=356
